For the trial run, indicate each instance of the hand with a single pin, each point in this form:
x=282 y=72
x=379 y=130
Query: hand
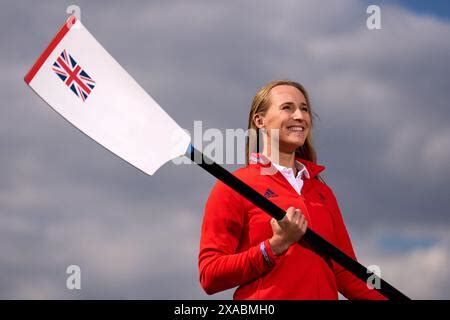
x=288 y=230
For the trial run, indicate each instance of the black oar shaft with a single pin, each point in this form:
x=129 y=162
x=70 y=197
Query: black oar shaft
x=319 y=244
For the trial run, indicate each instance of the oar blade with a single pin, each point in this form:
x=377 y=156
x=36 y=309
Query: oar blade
x=81 y=81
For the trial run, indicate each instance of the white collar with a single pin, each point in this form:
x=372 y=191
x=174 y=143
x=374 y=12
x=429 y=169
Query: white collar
x=301 y=169
x=260 y=158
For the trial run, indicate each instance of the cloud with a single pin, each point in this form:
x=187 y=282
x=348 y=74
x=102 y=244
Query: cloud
x=419 y=268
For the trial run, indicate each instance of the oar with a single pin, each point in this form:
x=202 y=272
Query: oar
x=81 y=81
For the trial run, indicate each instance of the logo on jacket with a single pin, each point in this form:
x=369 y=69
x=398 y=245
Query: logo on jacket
x=322 y=198
x=270 y=194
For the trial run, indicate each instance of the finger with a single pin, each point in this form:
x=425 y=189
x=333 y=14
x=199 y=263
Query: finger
x=274 y=224
x=295 y=215
x=290 y=212
x=301 y=219
x=305 y=226
x=284 y=220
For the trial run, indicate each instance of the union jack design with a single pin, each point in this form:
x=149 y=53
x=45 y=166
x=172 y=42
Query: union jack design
x=73 y=75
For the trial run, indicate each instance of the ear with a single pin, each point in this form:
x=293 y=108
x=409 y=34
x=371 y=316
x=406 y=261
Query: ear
x=258 y=120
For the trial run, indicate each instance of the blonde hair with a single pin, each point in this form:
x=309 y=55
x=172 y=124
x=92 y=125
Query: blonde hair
x=261 y=103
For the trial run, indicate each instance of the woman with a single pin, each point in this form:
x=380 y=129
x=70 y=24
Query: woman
x=242 y=246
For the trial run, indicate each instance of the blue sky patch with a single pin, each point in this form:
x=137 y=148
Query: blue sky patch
x=395 y=243
x=437 y=8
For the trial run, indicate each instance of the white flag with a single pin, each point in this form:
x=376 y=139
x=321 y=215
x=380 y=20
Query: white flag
x=79 y=79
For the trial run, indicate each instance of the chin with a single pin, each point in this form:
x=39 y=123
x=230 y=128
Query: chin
x=291 y=146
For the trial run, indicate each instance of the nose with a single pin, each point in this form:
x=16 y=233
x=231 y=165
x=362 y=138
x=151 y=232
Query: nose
x=298 y=114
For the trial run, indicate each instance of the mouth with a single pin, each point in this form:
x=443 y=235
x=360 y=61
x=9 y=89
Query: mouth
x=296 y=128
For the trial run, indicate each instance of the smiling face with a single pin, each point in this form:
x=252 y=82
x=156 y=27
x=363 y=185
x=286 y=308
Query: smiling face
x=289 y=113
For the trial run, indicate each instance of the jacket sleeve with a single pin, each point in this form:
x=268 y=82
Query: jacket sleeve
x=349 y=285
x=221 y=267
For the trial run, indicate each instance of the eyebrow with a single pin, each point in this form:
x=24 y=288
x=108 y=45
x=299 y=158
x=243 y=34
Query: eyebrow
x=293 y=104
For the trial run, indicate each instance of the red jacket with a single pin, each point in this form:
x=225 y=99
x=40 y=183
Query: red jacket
x=233 y=229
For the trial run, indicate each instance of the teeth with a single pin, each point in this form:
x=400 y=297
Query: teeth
x=295 y=128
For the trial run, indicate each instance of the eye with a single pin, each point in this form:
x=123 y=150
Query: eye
x=285 y=107
x=305 y=109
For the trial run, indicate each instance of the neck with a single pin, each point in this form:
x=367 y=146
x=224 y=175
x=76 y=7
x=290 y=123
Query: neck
x=285 y=159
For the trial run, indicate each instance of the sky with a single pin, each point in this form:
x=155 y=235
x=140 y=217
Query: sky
x=382 y=133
